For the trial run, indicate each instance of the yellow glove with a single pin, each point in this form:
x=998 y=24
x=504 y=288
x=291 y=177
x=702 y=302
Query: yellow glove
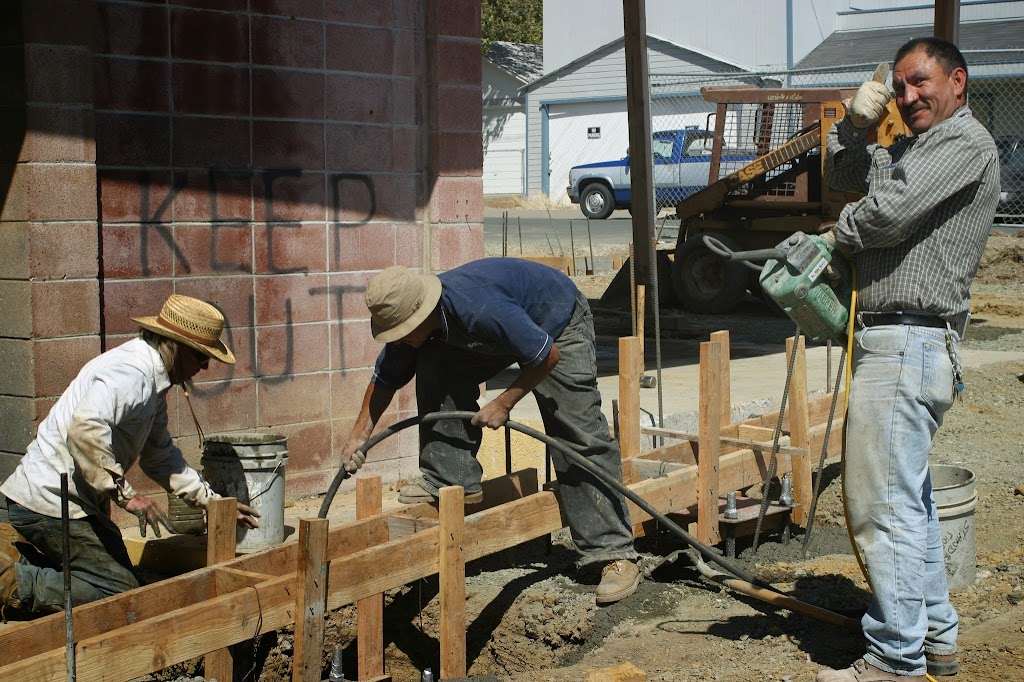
x=866 y=107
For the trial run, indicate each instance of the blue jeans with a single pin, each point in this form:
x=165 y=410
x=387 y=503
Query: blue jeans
x=449 y=378
x=902 y=387
x=100 y=565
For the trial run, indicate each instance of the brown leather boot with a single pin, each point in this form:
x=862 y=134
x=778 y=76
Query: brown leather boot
x=942 y=665
x=862 y=671
x=9 y=556
x=619 y=579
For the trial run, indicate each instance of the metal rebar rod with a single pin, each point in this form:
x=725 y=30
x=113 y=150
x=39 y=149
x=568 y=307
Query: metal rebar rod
x=572 y=247
x=65 y=526
x=590 y=239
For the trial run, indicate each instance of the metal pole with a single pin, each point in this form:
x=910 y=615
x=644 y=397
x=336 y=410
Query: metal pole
x=519 y=221
x=632 y=290
x=572 y=246
x=69 y=628
x=593 y=263
x=508 y=450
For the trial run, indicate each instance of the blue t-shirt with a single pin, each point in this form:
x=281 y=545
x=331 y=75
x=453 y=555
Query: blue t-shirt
x=505 y=307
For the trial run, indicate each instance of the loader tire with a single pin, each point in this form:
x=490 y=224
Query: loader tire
x=703 y=281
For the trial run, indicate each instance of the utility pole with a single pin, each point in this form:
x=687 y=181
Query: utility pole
x=638 y=109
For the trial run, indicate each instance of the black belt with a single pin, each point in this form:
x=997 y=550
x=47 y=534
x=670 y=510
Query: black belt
x=916 y=319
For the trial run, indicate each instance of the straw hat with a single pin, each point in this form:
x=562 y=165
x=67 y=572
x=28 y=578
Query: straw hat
x=193 y=322
x=399 y=300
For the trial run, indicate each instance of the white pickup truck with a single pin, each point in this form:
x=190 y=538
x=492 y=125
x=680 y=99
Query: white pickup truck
x=682 y=164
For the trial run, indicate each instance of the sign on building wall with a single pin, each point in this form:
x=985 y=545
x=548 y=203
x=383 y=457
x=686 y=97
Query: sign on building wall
x=594 y=133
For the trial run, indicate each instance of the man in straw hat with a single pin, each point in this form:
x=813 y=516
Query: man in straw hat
x=459 y=329
x=113 y=414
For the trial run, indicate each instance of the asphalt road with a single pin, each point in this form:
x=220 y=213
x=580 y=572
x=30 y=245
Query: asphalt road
x=561 y=231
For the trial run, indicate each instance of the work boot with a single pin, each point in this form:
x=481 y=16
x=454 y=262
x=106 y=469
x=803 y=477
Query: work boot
x=862 y=671
x=9 y=556
x=942 y=665
x=619 y=579
x=415 y=493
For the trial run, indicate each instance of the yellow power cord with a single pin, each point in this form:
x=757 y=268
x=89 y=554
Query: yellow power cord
x=846 y=403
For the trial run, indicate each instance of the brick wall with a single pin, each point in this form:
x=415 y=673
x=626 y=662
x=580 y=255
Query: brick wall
x=269 y=156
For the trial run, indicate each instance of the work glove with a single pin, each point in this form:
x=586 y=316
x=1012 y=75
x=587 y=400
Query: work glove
x=149 y=512
x=866 y=107
x=828 y=235
x=352 y=458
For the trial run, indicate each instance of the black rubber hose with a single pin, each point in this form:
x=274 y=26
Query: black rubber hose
x=577 y=459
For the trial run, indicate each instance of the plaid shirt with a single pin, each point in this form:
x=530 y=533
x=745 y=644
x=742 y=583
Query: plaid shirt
x=919 y=233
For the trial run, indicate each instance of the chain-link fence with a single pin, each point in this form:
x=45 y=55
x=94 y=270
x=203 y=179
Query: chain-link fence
x=680 y=102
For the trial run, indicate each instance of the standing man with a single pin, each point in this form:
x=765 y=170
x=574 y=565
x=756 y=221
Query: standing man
x=113 y=414
x=916 y=240
x=456 y=331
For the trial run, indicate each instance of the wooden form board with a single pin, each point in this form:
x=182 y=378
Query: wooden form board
x=133 y=634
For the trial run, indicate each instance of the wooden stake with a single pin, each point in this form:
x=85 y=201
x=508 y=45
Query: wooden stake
x=799 y=433
x=709 y=445
x=628 y=429
x=722 y=338
x=452 y=581
x=310 y=600
x=220 y=547
x=369 y=611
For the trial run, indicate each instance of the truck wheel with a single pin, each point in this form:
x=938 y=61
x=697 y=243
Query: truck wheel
x=703 y=281
x=597 y=202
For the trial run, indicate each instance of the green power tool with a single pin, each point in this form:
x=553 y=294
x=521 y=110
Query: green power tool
x=807 y=279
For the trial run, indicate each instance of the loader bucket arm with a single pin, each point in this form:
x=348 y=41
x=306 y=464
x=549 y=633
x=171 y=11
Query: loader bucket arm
x=713 y=196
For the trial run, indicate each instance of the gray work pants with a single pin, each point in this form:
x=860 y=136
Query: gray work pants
x=449 y=378
x=99 y=561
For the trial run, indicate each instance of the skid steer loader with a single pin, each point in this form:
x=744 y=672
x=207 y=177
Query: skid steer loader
x=756 y=204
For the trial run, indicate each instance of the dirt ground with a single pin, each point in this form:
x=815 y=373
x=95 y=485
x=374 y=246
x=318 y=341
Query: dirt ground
x=532 y=615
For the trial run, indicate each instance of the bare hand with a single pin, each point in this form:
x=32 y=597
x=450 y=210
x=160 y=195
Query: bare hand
x=247 y=516
x=493 y=415
x=149 y=512
x=352 y=458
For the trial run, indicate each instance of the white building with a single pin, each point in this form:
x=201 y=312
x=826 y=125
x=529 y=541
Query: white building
x=507 y=67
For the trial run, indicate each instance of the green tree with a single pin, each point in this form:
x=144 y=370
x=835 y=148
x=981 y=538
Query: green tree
x=515 y=21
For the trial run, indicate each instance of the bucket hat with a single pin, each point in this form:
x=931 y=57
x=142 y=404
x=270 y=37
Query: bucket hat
x=399 y=300
x=195 y=323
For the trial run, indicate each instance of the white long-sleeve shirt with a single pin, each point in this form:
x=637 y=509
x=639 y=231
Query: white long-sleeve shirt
x=113 y=414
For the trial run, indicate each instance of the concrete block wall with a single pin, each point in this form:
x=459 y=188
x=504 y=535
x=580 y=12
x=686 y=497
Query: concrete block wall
x=49 y=272
x=269 y=156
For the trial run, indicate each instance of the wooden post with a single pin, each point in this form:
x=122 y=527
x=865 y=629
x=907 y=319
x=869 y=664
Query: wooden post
x=369 y=611
x=708 y=444
x=725 y=390
x=452 y=581
x=310 y=600
x=638 y=114
x=799 y=433
x=629 y=403
x=947 y=20
x=220 y=546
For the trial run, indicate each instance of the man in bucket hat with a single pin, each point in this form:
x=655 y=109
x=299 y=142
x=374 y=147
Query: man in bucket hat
x=459 y=329
x=113 y=414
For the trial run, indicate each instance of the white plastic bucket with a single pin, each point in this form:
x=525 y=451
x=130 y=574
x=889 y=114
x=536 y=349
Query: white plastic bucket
x=956 y=500
x=251 y=468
